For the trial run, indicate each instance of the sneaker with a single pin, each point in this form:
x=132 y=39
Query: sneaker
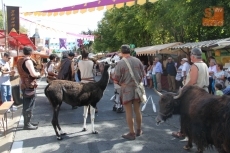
x=14 y=108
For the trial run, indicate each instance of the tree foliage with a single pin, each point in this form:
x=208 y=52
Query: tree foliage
x=156 y=23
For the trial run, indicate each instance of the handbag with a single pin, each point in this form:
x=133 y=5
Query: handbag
x=29 y=92
x=140 y=90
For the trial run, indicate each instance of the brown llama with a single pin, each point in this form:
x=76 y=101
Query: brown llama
x=76 y=94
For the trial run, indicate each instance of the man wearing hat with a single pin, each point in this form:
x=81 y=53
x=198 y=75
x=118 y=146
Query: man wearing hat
x=185 y=69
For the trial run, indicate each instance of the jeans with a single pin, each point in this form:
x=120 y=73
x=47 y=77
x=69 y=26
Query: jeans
x=211 y=89
x=76 y=78
x=154 y=81
x=6 y=93
x=226 y=91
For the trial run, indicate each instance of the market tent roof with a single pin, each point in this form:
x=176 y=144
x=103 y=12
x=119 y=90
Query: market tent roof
x=223 y=44
x=22 y=39
x=157 y=49
x=16 y=39
x=205 y=45
x=2 y=38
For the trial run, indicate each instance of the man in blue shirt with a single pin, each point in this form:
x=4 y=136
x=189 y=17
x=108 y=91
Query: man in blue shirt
x=171 y=70
x=158 y=71
x=5 y=78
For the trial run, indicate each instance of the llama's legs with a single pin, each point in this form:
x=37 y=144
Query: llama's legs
x=85 y=115
x=59 y=128
x=55 y=121
x=92 y=113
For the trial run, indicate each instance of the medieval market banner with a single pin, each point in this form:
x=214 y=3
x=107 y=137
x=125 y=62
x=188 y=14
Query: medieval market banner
x=90 y=7
x=12 y=18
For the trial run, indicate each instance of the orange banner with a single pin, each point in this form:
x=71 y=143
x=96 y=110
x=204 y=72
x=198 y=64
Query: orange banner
x=213 y=16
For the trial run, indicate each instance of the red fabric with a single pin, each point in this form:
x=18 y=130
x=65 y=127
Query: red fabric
x=16 y=39
x=22 y=39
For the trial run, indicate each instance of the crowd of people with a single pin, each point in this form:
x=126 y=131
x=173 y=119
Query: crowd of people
x=177 y=74
x=212 y=79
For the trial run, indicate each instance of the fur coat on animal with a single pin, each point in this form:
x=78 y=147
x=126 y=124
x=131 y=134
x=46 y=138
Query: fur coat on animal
x=76 y=94
x=204 y=118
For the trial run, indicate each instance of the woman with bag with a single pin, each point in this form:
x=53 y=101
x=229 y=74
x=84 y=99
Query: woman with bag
x=129 y=97
x=50 y=68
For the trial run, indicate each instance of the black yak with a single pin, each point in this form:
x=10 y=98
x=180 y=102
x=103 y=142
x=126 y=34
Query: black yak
x=76 y=94
x=204 y=118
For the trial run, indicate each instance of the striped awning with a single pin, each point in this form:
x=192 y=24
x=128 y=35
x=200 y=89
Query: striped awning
x=87 y=7
x=210 y=44
x=157 y=49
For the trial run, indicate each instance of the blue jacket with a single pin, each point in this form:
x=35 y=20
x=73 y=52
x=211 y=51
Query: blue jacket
x=171 y=69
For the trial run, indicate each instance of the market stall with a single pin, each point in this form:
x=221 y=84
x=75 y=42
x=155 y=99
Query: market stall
x=157 y=49
x=161 y=51
x=219 y=48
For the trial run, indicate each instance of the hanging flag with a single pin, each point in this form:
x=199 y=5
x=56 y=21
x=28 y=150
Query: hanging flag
x=12 y=18
x=47 y=42
x=62 y=42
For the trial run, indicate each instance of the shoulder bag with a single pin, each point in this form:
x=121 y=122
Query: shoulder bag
x=140 y=90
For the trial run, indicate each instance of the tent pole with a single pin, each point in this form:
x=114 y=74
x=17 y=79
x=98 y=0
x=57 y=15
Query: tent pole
x=17 y=48
x=5 y=24
x=4 y=21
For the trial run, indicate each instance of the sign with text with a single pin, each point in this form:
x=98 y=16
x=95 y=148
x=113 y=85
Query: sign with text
x=12 y=18
x=213 y=16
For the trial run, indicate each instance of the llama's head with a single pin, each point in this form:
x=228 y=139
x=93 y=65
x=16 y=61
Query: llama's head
x=107 y=67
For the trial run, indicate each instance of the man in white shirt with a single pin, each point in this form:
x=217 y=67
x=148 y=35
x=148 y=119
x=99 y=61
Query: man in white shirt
x=5 y=78
x=185 y=68
x=86 y=68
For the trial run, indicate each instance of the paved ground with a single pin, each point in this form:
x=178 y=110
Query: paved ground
x=110 y=125
x=7 y=141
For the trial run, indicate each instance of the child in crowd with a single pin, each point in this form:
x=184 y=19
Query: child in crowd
x=219 y=91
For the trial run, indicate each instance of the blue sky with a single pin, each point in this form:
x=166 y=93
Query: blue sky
x=72 y=23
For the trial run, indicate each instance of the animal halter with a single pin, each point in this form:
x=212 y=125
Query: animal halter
x=165 y=115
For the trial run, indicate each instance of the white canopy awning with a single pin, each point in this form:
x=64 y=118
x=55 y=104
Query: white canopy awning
x=157 y=49
x=208 y=45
